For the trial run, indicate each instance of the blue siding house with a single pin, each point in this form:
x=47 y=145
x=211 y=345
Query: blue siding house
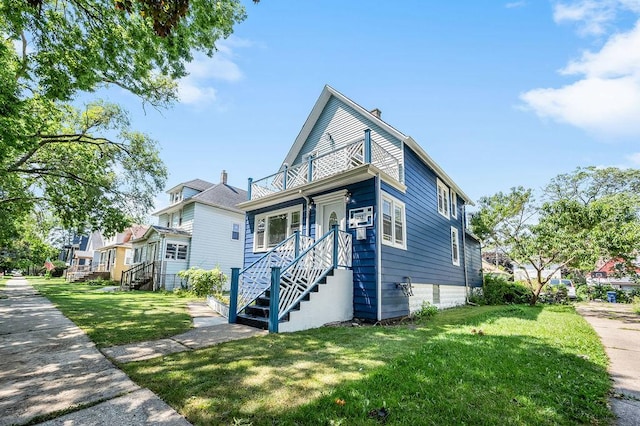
x=358 y=222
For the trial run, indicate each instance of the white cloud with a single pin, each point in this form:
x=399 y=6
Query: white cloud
x=190 y=92
x=515 y=4
x=606 y=98
x=593 y=17
x=197 y=87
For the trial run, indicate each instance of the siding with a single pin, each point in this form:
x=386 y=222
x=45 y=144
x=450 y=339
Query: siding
x=364 y=252
x=474 y=261
x=211 y=243
x=428 y=255
x=344 y=125
x=188 y=213
x=189 y=192
x=163 y=219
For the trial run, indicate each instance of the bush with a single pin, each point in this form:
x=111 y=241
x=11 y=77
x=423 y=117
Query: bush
x=476 y=296
x=554 y=294
x=636 y=305
x=203 y=283
x=498 y=291
x=60 y=266
x=102 y=282
x=426 y=311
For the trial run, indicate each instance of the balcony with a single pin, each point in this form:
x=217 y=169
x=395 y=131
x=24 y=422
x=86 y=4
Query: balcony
x=351 y=156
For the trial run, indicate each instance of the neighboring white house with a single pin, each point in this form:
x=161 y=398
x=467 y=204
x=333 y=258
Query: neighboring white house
x=520 y=272
x=200 y=228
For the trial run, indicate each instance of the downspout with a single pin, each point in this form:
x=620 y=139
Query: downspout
x=464 y=252
x=378 y=247
x=308 y=208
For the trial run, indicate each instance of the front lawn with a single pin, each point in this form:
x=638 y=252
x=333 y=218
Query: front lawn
x=485 y=365
x=116 y=318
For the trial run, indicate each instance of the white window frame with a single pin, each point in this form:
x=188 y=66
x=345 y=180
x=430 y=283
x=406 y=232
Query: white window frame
x=233 y=227
x=394 y=202
x=178 y=246
x=454 y=204
x=442 y=194
x=288 y=211
x=455 y=246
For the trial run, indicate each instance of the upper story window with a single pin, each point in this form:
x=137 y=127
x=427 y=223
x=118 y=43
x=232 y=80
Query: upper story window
x=235 y=231
x=443 y=199
x=393 y=222
x=274 y=227
x=175 y=197
x=455 y=246
x=454 y=205
x=176 y=251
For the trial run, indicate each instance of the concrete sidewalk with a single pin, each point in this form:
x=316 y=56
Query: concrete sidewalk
x=619 y=331
x=47 y=364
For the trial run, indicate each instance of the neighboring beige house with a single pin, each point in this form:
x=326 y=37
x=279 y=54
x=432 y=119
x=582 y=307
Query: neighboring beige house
x=117 y=255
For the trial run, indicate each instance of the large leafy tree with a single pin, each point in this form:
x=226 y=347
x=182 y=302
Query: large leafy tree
x=561 y=232
x=86 y=164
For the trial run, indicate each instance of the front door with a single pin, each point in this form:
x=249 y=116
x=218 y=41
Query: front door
x=331 y=213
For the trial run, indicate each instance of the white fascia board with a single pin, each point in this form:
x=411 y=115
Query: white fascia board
x=326 y=94
x=436 y=168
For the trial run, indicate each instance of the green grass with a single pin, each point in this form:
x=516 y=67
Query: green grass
x=116 y=318
x=528 y=366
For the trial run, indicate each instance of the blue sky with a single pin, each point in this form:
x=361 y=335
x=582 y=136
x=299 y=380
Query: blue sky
x=500 y=94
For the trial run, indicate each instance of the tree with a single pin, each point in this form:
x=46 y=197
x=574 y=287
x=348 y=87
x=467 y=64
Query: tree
x=560 y=233
x=87 y=165
x=30 y=250
x=587 y=184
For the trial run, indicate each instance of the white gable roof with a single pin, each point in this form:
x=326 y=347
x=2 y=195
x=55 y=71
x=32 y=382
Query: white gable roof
x=319 y=106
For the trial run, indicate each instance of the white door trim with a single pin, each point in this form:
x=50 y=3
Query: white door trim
x=324 y=200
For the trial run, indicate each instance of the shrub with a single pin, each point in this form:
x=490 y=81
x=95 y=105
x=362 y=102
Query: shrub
x=426 y=311
x=101 y=281
x=636 y=304
x=202 y=282
x=60 y=266
x=498 y=291
x=476 y=296
x=554 y=294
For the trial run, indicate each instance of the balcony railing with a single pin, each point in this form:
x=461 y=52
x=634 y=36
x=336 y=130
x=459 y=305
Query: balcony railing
x=364 y=151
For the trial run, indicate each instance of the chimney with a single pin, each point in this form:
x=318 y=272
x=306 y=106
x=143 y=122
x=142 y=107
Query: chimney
x=376 y=112
x=223 y=177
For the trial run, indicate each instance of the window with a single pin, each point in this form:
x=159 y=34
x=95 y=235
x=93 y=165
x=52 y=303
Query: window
x=235 y=231
x=176 y=251
x=443 y=199
x=393 y=222
x=454 y=205
x=127 y=257
x=274 y=227
x=455 y=247
x=137 y=254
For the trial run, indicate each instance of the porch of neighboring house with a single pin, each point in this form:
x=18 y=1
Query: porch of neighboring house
x=157 y=257
x=307 y=279
x=83 y=268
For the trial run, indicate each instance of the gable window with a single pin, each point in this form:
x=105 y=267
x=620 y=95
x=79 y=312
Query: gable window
x=393 y=222
x=235 y=231
x=455 y=247
x=454 y=205
x=176 y=251
x=274 y=227
x=443 y=199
